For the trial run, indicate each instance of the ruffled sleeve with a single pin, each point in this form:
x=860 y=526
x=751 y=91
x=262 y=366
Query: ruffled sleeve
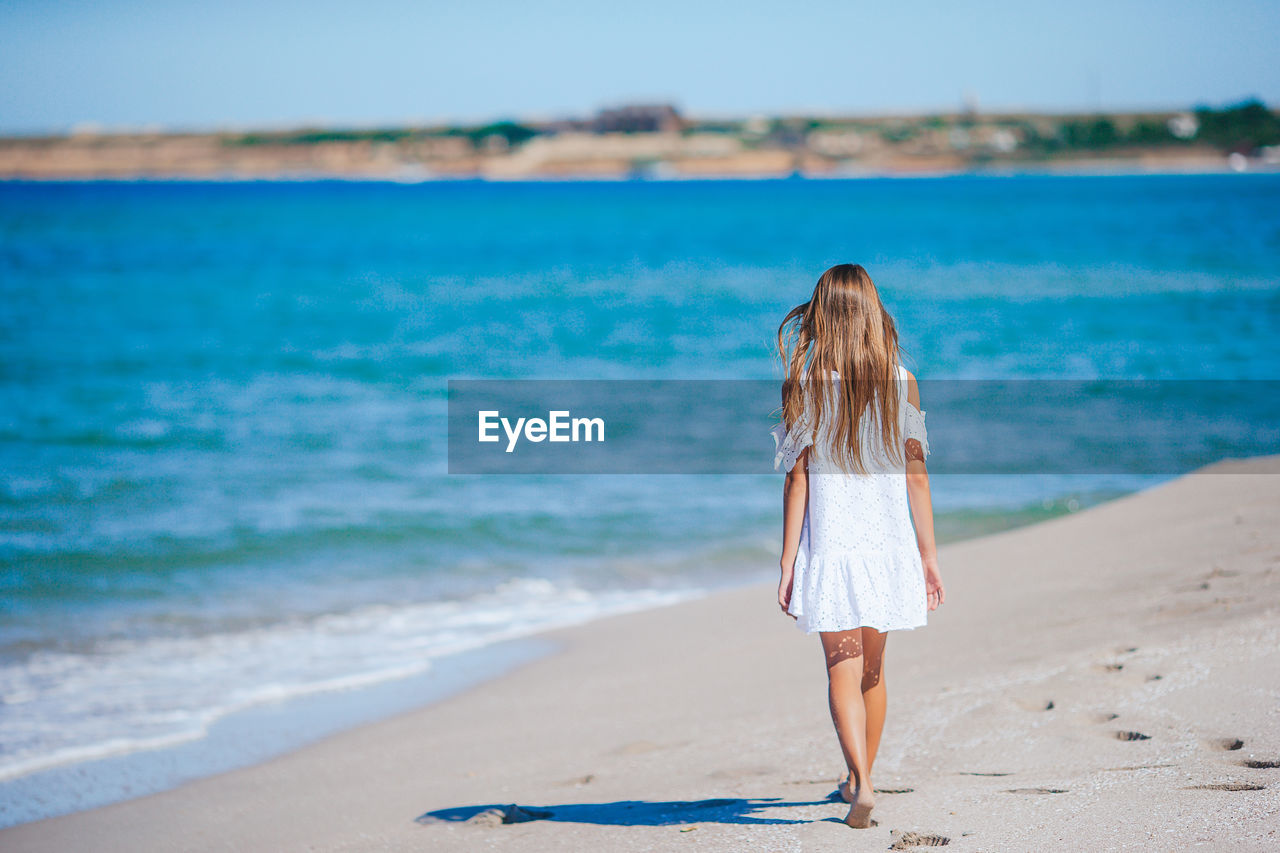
x=915 y=429
x=789 y=444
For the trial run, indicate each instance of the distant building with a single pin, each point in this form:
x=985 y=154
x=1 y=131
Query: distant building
x=1184 y=126
x=637 y=118
x=757 y=125
x=1003 y=140
x=836 y=143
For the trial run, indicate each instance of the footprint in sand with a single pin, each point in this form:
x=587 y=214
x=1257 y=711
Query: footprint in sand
x=836 y=796
x=501 y=815
x=1261 y=763
x=1226 y=786
x=1123 y=735
x=1225 y=744
x=1036 y=791
x=907 y=840
x=1112 y=667
x=1035 y=704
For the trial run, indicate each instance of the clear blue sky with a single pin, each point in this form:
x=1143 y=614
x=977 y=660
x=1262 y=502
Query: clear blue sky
x=236 y=63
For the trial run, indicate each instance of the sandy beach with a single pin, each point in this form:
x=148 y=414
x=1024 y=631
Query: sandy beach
x=1106 y=680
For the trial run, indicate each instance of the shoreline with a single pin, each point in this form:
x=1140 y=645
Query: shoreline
x=259 y=731
x=255 y=733
x=1157 y=607
x=249 y=736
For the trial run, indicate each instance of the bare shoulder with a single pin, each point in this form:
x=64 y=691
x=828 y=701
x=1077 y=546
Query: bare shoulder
x=913 y=389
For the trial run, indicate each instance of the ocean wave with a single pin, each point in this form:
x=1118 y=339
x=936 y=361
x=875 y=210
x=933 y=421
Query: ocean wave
x=128 y=695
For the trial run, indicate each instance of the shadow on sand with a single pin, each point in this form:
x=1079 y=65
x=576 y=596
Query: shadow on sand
x=626 y=812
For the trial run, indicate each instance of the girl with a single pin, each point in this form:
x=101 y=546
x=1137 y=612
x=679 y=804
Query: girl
x=854 y=444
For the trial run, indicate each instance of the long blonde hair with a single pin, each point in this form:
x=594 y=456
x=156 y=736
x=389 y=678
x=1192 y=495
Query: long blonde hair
x=843 y=327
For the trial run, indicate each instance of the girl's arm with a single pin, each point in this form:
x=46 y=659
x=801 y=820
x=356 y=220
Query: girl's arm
x=921 y=501
x=795 y=497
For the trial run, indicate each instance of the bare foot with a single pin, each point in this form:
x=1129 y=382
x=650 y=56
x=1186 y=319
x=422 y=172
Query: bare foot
x=862 y=802
x=843 y=788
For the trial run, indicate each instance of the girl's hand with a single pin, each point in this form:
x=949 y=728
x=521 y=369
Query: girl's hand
x=934 y=592
x=784 y=590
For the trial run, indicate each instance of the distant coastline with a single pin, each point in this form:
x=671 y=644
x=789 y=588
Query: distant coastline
x=1066 y=168
x=654 y=142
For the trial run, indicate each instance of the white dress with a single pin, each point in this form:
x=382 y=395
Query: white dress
x=858 y=562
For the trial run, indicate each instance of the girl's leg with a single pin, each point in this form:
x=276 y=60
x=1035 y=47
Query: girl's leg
x=874 y=697
x=843 y=651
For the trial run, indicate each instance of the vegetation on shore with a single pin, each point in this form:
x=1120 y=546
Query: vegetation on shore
x=641 y=140
x=1243 y=127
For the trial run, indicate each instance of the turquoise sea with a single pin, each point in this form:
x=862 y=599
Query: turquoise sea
x=222 y=407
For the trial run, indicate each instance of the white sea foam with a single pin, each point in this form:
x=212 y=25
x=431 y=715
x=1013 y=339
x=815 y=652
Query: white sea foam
x=131 y=695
